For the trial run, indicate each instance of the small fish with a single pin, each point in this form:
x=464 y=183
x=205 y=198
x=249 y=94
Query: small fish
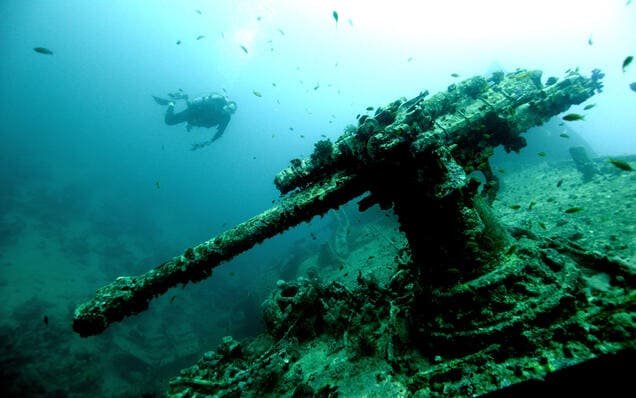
x=281 y=32
x=231 y=273
x=43 y=50
x=369 y=108
x=323 y=136
x=178 y=42
x=515 y=207
x=273 y=84
x=317 y=86
x=244 y=49
x=511 y=250
x=542 y=154
x=198 y=11
x=371 y=257
x=589 y=41
x=312 y=235
x=410 y=59
x=157 y=184
x=341 y=267
x=302 y=136
x=257 y=93
x=335 y=16
x=572 y=210
x=559 y=183
x=46 y=320
x=570 y=117
x=542 y=225
x=628 y=60
x=502 y=171
x=454 y=75
x=632 y=86
x=621 y=164
x=259 y=18
x=563 y=135
x=172 y=299
x=588 y=107
x=358 y=116
x=350 y=22
x=199 y=37
x=531 y=205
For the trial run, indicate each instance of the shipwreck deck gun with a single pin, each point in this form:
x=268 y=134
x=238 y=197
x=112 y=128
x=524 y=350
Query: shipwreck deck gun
x=409 y=154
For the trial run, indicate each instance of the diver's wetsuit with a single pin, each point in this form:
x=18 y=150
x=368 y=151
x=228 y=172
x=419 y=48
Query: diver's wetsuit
x=176 y=118
x=202 y=112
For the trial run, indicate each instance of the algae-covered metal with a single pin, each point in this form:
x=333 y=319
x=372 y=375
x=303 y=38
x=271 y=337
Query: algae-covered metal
x=472 y=116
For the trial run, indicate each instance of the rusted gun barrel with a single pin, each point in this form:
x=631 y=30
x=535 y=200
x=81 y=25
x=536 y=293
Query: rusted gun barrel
x=474 y=115
x=470 y=118
x=129 y=295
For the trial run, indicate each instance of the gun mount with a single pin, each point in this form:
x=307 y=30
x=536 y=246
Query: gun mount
x=414 y=155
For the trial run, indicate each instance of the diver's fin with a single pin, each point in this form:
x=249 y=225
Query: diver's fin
x=161 y=101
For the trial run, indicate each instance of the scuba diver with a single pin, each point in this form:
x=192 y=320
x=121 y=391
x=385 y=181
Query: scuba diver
x=208 y=111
